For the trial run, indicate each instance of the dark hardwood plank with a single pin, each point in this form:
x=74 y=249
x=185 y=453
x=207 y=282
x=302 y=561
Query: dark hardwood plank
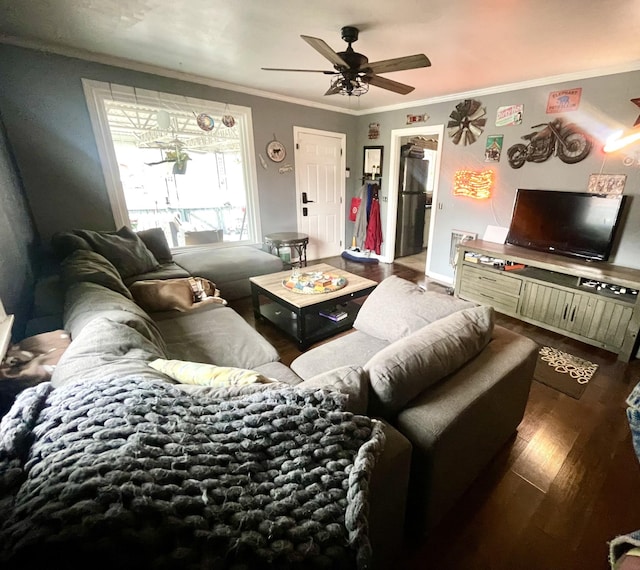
x=565 y=485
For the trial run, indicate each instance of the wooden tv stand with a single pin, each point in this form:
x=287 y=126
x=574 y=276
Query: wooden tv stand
x=594 y=302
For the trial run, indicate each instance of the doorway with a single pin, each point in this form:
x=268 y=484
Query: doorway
x=320 y=164
x=431 y=138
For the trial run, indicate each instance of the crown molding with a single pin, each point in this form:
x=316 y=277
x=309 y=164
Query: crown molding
x=540 y=82
x=193 y=78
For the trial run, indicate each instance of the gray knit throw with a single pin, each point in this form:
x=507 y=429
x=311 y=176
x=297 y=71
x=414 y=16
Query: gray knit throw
x=137 y=474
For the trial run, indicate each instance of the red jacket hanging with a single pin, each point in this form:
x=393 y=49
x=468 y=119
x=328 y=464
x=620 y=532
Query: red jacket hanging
x=374 y=229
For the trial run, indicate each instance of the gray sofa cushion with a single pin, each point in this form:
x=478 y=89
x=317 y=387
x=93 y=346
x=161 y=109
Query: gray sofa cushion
x=87 y=301
x=216 y=335
x=351 y=381
x=156 y=243
x=228 y=267
x=91 y=267
x=105 y=349
x=123 y=248
x=397 y=308
x=163 y=271
x=408 y=366
x=353 y=349
x=278 y=371
x=65 y=243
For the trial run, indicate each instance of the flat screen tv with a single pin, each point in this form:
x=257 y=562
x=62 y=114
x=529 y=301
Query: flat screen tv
x=577 y=224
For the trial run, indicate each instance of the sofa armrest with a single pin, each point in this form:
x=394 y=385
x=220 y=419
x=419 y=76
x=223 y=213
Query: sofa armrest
x=458 y=425
x=388 y=494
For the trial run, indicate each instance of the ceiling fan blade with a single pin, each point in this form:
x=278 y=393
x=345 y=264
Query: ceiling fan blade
x=324 y=49
x=305 y=70
x=399 y=63
x=385 y=83
x=334 y=89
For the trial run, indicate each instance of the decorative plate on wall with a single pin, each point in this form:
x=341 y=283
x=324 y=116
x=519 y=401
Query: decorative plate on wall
x=276 y=151
x=205 y=122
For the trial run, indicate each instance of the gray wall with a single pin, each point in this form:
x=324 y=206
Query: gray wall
x=18 y=240
x=48 y=125
x=605 y=105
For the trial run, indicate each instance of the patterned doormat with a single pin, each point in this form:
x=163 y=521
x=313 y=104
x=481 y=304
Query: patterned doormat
x=564 y=372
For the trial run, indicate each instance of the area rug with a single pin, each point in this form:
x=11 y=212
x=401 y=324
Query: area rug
x=564 y=372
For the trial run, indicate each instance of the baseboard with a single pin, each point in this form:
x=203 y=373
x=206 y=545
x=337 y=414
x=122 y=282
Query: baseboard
x=444 y=279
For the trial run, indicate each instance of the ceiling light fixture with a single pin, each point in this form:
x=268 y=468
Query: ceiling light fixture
x=618 y=141
x=348 y=86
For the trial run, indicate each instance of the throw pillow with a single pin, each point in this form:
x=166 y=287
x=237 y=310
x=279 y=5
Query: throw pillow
x=397 y=307
x=207 y=374
x=156 y=243
x=122 y=248
x=405 y=368
x=349 y=380
x=105 y=349
x=65 y=243
x=89 y=266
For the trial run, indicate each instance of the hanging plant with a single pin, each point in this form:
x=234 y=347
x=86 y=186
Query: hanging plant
x=179 y=158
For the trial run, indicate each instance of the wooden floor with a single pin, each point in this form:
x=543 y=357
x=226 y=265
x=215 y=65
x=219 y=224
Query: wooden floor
x=567 y=483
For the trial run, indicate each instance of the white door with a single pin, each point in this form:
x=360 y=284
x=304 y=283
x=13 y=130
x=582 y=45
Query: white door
x=320 y=164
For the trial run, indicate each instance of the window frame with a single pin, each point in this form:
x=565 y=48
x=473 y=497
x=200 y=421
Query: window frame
x=96 y=92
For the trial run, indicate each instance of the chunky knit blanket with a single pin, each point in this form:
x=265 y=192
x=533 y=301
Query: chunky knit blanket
x=137 y=474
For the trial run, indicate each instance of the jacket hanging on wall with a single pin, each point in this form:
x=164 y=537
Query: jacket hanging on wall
x=360 y=228
x=373 y=240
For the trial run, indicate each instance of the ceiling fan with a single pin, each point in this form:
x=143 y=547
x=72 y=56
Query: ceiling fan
x=353 y=71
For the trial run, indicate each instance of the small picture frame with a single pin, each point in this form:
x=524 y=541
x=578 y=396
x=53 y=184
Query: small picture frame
x=493 y=148
x=609 y=184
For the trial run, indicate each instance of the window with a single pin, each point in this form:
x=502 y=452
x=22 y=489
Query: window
x=182 y=164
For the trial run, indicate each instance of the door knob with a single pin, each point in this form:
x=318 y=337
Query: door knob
x=305 y=200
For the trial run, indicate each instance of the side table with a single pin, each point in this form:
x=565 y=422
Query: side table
x=293 y=240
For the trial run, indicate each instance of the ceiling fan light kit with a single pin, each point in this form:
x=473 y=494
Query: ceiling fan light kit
x=353 y=71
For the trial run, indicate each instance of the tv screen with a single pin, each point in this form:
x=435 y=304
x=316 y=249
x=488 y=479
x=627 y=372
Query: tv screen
x=577 y=224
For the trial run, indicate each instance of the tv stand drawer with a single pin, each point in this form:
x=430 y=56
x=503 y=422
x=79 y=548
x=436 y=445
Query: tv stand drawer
x=491 y=287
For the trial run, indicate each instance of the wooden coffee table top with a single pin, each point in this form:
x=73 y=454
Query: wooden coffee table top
x=273 y=284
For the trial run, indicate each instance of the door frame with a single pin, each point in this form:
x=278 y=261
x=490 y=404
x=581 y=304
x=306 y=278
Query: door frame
x=392 y=193
x=342 y=179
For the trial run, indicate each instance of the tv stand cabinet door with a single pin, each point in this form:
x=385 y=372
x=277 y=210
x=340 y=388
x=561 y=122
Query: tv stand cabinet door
x=588 y=317
x=607 y=322
x=548 y=305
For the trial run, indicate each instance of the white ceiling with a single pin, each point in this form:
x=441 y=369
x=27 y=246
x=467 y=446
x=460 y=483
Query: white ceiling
x=473 y=44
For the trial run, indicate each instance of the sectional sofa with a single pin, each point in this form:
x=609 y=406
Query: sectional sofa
x=449 y=389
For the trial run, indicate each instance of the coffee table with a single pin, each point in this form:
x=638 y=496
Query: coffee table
x=297 y=314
